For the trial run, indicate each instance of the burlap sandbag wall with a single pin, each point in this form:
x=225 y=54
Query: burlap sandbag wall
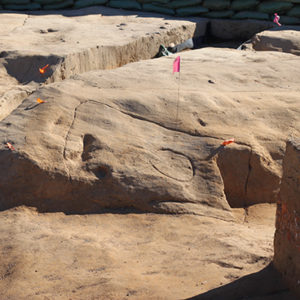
x=289 y=10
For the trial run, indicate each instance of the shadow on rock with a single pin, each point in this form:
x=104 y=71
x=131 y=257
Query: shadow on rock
x=263 y=285
x=26 y=68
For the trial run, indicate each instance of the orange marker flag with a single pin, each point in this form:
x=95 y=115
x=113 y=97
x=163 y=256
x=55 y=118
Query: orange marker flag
x=227 y=142
x=176 y=64
x=43 y=69
x=10 y=146
x=40 y=100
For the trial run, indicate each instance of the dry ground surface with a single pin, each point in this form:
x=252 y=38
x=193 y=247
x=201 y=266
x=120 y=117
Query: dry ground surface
x=211 y=253
x=135 y=256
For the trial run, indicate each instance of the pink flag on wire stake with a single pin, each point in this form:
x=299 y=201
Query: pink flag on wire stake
x=176 y=64
x=276 y=19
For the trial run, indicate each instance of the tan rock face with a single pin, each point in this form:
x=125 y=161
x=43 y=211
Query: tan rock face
x=136 y=139
x=111 y=139
x=76 y=42
x=278 y=40
x=287 y=236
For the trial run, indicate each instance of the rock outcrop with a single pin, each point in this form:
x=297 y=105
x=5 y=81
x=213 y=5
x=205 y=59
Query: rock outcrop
x=138 y=138
x=114 y=139
x=287 y=236
x=77 y=42
x=282 y=40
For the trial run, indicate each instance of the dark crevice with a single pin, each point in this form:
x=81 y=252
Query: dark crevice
x=248 y=175
x=69 y=130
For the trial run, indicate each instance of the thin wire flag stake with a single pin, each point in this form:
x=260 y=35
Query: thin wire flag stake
x=176 y=69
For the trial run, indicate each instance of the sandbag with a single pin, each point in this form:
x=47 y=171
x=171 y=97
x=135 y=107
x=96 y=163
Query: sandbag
x=47 y=1
x=183 y=3
x=86 y=3
x=243 y=4
x=274 y=7
x=217 y=4
x=126 y=4
x=15 y=2
x=155 y=2
x=60 y=5
x=219 y=14
x=250 y=15
x=191 y=11
x=29 y=6
x=289 y=20
x=158 y=9
x=294 y=12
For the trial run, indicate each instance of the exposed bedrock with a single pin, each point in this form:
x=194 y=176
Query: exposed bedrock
x=287 y=40
x=287 y=236
x=114 y=139
x=76 y=44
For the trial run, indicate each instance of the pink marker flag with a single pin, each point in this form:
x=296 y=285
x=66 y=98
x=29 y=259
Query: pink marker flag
x=276 y=19
x=176 y=64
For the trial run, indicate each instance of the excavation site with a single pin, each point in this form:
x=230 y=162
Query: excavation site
x=149 y=153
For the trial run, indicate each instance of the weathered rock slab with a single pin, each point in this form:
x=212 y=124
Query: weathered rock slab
x=112 y=139
x=73 y=42
x=285 y=40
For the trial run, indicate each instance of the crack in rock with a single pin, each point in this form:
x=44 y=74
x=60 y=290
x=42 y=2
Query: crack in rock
x=248 y=176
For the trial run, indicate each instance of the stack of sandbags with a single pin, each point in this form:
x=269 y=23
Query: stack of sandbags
x=36 y=4
x=158 y=6
x=188 y=7
x=54 y=4
x=234 y=9
x=293 y=15
x=218 y=8
x=86 y=3
x=125 y=4
x=20 y=5
x=263 y=10
x=289 y=10
x=247 y=9
x=182 y=8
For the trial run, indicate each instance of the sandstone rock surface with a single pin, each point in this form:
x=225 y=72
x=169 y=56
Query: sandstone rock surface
x=110 y=139
x=113 y=142
x=77 y=41
x=282 y=40
x=287 y=237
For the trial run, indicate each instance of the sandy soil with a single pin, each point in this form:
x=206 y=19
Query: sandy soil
x=136 y=256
